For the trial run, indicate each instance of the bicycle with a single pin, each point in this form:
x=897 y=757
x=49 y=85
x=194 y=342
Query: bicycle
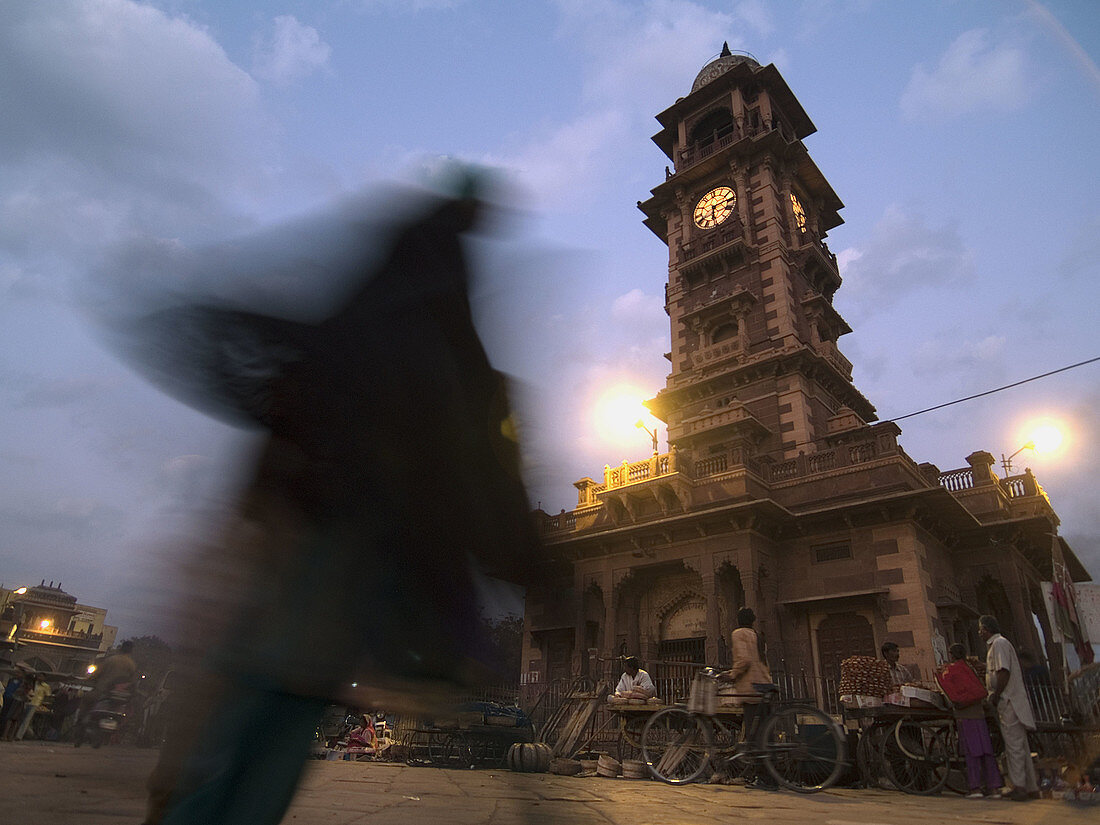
x=802 y=748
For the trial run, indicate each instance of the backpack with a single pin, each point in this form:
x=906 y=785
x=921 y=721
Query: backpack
x=961 y=684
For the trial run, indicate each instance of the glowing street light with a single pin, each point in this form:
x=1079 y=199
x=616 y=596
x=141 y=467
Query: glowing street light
x=616 y=409
x=1006 y=463
x=1046 y=438
x=22 y=591
x=640 y=424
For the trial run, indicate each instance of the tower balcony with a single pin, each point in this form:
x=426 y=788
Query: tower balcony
x=832 y=354
x=742 y=131
x=720 y=246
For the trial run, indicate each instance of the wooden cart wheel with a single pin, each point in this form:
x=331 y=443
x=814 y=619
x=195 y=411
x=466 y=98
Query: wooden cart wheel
x=872 y=768
x=916 y=759
x=630 y=737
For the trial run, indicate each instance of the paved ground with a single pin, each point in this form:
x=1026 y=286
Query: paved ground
x=44 y=784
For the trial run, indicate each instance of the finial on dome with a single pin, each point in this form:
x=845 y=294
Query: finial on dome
x=726 y=49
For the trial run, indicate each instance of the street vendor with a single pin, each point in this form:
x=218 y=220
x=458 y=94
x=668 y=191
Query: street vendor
x=635 y=682
x=899 y=673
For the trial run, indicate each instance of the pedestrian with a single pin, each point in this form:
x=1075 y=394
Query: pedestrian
x=749 y=670
x=35 y=702
x=15 y=700
x=1005 y=681
x=967 y=694
x=387 y=451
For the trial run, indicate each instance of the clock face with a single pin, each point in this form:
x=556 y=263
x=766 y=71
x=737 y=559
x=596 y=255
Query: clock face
x=799 y=212
x=714 y=207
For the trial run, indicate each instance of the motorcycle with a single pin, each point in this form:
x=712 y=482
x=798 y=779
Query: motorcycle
x=105 y=718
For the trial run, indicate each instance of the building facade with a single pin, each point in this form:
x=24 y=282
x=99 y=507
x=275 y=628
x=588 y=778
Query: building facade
x=779 y=491
x=47 y=629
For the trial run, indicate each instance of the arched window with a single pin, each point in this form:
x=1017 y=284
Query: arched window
x=715 y=125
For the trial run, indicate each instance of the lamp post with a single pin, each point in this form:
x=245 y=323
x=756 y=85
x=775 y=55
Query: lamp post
x=1006 y=463
x=640 y=424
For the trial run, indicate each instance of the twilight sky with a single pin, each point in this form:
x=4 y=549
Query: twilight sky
x=961 y=136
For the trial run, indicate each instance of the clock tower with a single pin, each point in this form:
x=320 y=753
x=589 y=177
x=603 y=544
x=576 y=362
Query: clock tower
x=756 y=372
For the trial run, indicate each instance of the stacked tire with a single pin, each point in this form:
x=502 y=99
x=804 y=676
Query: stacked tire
x=529 y=757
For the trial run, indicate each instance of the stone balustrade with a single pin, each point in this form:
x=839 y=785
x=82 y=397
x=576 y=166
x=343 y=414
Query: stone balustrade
x=727 y=233
x=833 y=355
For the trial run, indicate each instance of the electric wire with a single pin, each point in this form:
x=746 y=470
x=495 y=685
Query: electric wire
x=998 y=389
x=961 y=400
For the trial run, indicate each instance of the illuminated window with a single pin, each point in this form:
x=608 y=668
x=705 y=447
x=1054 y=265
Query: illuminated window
x=799 y=212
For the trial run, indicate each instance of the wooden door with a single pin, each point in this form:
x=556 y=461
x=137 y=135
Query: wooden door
x=842 y=635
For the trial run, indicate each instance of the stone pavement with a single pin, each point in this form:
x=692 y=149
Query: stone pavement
x=48 y=784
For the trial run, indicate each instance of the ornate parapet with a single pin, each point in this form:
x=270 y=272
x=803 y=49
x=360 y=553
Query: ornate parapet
x=979 y=489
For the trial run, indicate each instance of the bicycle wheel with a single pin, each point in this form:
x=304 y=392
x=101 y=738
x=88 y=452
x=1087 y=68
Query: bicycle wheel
x=915 y=758
x=676 y=745
x=954 y=764
x=457 y=752
x=804 y=748
x=872 y=771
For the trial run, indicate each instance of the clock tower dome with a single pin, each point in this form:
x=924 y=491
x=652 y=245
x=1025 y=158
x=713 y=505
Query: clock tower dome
x=756 y=372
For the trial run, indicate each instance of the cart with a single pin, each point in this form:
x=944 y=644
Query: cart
x=468 y=747
x=632 y=718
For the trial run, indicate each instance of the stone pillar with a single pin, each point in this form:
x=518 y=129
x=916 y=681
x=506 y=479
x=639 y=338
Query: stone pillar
x=714 y=628
x=610 y=606
x=981 y=465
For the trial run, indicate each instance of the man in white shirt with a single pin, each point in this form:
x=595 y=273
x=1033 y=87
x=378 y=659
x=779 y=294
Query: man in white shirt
x=1005 y=681
x=635 y=683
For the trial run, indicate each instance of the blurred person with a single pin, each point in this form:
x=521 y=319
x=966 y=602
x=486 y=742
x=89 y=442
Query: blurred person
x=65 y=704
x=982 y=774
x=117 y=668
x=1007 y=694
x=35 y=702
x=16 y=693
x=388 y=466
x=749 y=669
x=1036 y=673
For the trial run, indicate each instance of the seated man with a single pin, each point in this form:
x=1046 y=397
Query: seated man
x=635 y=683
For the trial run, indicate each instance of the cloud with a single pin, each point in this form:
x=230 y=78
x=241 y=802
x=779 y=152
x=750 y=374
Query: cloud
x=118 y=119
x=637 y=57
x=1081 y=259
x=637 y=306
x=404 y=6
x=973 y=75
x=940 y=357
x=903 y=255
x=63 y=392
x=569 y=160
x=289 y=51
x=41 y=522
x=646 y=53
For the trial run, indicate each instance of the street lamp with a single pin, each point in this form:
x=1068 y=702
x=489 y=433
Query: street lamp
x=640 y=424
x=1006 y=463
